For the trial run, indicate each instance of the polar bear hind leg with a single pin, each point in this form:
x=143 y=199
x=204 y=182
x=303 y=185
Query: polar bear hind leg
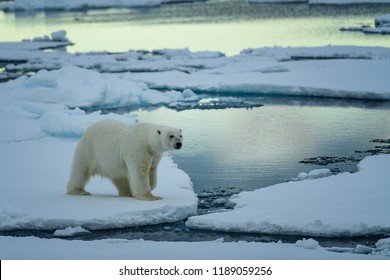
x=76 y=185
x=79 y=177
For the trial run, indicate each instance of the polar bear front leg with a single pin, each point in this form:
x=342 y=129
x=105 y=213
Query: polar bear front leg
x=140 y=182
x=153 y=173
x=122 y=185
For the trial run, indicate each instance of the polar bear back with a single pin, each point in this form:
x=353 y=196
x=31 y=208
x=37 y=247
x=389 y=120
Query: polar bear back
x=108 y=143
x=101 y=143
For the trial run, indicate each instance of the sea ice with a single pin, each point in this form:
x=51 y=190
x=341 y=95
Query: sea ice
x=382 y=26
x=346 y=204
x=314 y=174
x=118 y=249
x=308 y=243
x=36 y=199
x=36 y=165
x=132 y=77
x=70 y=231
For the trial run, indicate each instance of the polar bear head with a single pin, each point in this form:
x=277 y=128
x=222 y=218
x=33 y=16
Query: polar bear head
x=171 y=138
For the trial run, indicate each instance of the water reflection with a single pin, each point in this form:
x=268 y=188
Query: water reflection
x=263 y=146
x=227 y=26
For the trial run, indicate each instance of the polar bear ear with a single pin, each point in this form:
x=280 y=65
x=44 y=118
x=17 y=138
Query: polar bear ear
x=159 y=131
x=180 y=130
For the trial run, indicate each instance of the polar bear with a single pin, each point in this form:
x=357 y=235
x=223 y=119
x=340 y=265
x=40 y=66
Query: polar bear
x=128 y=155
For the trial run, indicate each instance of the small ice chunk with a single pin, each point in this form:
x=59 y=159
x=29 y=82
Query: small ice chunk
x=71 y=231
x=314 y=174
x=59 y=36
x=361 y=249
x=189 y=95
x=383 y=244
x=307 y=243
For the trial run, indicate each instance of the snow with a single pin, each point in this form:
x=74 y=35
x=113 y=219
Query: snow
x=308 y=243
x=133 y=78
x=382 y=21
x=382 y=26
x=333 y=72
x=346 y=204
x=108 y=249
x=71 y=231
x=44 y=115
x=56 y=36
x=43 y=125
x=37 y=199
x=314 y=174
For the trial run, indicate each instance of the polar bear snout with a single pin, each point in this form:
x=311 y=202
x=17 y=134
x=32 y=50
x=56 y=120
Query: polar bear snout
x=178 y=145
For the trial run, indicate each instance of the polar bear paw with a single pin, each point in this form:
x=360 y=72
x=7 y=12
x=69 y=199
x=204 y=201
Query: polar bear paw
x=148 y=196
x=78 y=192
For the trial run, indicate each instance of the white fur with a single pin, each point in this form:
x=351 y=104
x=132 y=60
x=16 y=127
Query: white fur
x=126 y=154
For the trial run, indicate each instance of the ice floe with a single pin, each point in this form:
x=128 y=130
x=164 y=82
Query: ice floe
x=35 y=198
x=43 y=123
x=108 y=249
x=71 y=231
x=329 y=71
x=382 y=26
x=314 y=174
x=346 y=204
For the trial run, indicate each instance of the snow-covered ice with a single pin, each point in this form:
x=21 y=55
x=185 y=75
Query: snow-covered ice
x=43 y=116
x=346 y=204
x=382 y=26
x=90 y=88
x=314 y=174
x=42 y=124
x=35 y=198
x=308 y=243
x=70 y=231
x=108 y=249
x=331 y=71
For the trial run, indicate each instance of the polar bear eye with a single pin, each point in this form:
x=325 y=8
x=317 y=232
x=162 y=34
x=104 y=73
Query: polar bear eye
x=171 y=136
